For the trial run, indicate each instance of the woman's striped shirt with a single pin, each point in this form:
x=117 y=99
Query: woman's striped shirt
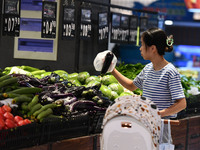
x=163 y=87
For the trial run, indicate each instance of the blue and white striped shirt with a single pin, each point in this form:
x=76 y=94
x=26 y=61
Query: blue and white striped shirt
x=163 y=87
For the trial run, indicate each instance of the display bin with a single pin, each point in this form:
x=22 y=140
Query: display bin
x=96 y=122
x=56 y=129
x=22 y=136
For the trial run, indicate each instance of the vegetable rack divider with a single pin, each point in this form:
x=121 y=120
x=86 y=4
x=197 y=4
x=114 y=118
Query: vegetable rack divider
x=96 y=122
x=20 y=137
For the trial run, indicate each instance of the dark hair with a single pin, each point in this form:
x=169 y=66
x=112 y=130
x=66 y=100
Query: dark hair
x=157 y=37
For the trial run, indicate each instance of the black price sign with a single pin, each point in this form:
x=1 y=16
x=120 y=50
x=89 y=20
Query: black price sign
x=11 y=17
x=133 y=29
x=115 y=28
x=86 y=26
x=68 y=27
x=124 y=26
x=143 y=23
x=103 y=26
x=49 y=10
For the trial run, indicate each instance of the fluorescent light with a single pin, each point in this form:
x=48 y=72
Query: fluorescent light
x=168 y=22
x=194 y=10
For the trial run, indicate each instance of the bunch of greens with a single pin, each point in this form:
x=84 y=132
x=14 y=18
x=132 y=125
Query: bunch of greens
x=131 y=71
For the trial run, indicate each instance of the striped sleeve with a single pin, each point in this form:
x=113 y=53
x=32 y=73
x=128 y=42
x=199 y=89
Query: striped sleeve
x=138 y=81
x=175 y=87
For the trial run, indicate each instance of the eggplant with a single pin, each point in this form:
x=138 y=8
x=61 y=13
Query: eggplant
x=61 y=95
x=69 y=100
x=107 y=62
x=81 y=105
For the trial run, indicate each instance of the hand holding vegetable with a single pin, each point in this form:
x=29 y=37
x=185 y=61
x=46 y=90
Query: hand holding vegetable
x=105 y=61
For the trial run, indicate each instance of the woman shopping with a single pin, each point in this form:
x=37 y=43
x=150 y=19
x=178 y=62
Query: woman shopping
x=159 y=79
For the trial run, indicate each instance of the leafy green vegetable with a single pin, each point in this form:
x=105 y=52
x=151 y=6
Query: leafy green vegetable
x=130 y=70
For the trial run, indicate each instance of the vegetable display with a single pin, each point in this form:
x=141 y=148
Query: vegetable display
x=36 y=94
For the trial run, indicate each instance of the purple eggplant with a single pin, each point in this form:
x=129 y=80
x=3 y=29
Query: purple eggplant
x=61 y=95
x=69 y=100
x=81 y=105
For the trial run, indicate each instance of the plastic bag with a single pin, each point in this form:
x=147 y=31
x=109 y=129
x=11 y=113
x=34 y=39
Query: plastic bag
x=166 y=145
x=99 y=60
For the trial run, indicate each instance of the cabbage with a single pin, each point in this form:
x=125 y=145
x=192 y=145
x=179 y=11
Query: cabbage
x=116 y=87
x=62 y=73
x=82 y=76
x=126 y=93
x=92 y=78
x=114 y=95
x=108 y=79
x=73 y=75
x=106 y=91
x=75 y=81
x=93 y=83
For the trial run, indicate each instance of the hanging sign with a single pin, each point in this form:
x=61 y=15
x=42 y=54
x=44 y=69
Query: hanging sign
x=68 y=27
x=11 y=17
x=143 y=24
x=49 y=10
x=86 y=23
x=133 y=25
x=115 y=28
x=124 y=27
x=103 y=26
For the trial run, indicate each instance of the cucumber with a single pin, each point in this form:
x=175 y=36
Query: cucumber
x=13 y=95
x=8 y=81
x=21 y=98
x=38 y=72
x=29 y=68
x=27 y=90
x=24 y=106
x=33 y=102
x=45 y=107
x=54 y=116
x=10 y=95
x=34 y=108
x=5 y=77
x=45 y=113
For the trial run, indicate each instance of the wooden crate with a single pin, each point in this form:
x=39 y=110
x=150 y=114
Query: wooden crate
x=179 y=135
x=194 y=133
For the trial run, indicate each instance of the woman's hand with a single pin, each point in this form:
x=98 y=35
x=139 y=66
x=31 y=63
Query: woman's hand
x=124 y=81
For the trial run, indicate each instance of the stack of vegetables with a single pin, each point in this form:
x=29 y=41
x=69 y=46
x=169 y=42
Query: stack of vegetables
x=50 y=95
x=39 y=94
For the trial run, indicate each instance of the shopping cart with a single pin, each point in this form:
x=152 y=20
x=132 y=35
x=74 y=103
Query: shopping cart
x=131 y=123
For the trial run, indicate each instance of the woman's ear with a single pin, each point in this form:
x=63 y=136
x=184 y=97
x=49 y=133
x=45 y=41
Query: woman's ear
x=153 y=48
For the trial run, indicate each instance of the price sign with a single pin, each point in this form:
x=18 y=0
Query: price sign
x=86 y=26
x=133 y=29
x=124 y=26
x=68 y=27
x=103 y=26
x=11 y=17
x=115 y=28
x=143 y=24
x=49 y=10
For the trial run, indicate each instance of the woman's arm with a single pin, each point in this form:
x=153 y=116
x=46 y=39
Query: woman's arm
x=124 y=81
x=175 y=108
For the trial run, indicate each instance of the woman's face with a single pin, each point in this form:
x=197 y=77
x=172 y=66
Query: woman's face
x=144 y=50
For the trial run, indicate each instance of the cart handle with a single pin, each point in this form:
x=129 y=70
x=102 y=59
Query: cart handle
x=172 y=122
